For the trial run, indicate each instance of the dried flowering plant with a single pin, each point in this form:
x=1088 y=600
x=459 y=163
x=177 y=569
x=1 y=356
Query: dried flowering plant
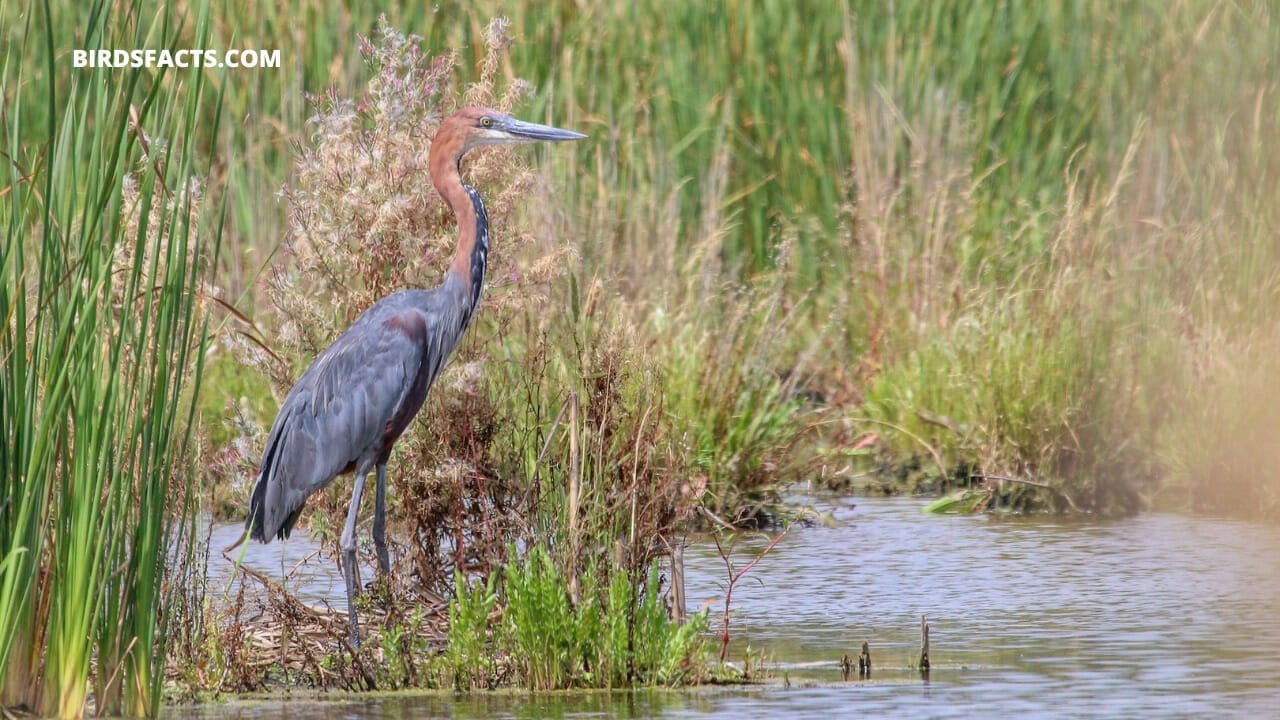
x=365 y=220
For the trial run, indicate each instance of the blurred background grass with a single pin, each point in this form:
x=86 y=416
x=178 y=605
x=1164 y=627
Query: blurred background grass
x=1052 y=225
x=1029 y=240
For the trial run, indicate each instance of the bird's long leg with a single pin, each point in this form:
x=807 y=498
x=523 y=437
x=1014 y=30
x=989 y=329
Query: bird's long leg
x=350 y=566
x=380 y=521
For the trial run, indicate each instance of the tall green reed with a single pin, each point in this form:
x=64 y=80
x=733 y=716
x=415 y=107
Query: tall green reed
x=102 y=346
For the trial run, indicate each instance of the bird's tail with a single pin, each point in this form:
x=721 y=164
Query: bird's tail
x=255 y=523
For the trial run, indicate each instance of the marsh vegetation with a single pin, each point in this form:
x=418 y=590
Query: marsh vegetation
x=1027 y=250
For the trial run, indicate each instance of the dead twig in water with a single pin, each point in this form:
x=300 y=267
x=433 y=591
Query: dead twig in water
x=924 y=646
x=734 y=577
x=717 y=519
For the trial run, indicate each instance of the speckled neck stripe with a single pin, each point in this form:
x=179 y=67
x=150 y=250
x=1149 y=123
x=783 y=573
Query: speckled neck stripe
x=479 y=253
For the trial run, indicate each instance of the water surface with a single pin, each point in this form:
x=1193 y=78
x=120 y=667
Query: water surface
x=1160 y=615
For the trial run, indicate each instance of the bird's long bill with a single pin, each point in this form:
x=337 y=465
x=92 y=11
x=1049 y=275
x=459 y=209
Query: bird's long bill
x=533 y=132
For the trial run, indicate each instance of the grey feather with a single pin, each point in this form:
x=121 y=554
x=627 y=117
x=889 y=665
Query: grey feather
x=353 y=402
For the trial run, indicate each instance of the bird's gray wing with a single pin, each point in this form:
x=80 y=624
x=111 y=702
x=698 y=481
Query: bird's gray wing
x=337 y=412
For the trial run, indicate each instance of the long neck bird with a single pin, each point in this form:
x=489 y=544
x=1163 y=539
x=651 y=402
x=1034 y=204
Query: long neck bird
x=347 y=410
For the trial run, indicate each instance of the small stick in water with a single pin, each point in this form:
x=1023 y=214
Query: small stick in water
x=924 y=646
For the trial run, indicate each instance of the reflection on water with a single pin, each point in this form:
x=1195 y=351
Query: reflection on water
x=312 y=577
x=1157 y=615
x=509 y=705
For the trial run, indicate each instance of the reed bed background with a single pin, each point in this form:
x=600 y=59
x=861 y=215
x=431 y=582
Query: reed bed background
x=1029 y=242
x=1028 y=248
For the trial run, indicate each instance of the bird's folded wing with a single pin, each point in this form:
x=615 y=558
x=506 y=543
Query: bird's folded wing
x=336 y=413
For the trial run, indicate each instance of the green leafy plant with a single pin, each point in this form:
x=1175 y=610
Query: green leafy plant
x=616 y=634
x=468 y=648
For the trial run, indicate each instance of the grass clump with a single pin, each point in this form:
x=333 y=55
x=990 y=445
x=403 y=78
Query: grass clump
x=1006 y=400
x=616 y=633
x=467 y=650
x=551 y=637
x=740 y=419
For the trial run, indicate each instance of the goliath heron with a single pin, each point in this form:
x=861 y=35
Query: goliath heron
x=348 y=409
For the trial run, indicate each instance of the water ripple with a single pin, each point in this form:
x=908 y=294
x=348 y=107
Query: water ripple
x=1160 y=615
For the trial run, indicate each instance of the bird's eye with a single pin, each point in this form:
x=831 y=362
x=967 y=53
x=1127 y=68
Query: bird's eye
x=486 y=121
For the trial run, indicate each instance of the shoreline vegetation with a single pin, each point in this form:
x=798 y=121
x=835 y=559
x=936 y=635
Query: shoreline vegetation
x=1023 y=253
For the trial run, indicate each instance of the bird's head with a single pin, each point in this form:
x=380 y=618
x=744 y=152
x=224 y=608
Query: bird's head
x=473 y=127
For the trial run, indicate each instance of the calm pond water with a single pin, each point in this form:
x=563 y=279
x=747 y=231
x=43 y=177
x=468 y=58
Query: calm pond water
x=1160 y=615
